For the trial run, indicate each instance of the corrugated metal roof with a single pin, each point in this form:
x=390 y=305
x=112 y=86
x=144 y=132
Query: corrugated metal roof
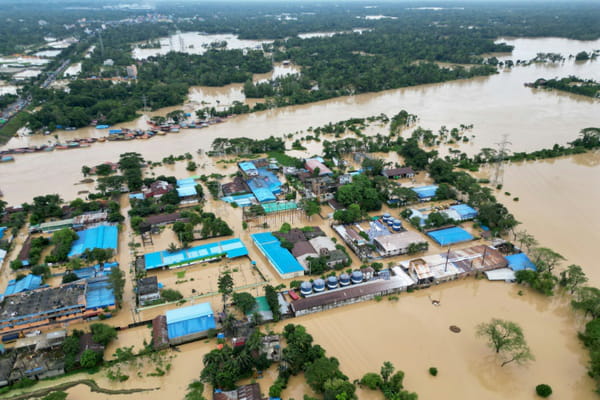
x=189 y=312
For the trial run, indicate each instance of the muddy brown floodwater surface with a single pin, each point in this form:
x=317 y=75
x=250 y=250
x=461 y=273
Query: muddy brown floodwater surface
x=557 y=204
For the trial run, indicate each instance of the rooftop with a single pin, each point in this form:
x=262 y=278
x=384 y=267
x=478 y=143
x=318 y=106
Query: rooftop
x=399 y=240
x=147 y=285
x=99 y=237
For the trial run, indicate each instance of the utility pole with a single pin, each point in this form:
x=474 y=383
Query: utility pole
x=501 y=154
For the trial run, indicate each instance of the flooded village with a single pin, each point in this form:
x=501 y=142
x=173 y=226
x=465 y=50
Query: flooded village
x=314 y=215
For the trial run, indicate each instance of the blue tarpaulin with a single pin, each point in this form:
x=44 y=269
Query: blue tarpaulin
x=519 y=262
x=99 y=237
x=190 y=320
x=2 y=230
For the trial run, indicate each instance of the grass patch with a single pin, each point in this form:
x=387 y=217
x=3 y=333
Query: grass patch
x=283 y=159
x=180 y=274
x=11 y=127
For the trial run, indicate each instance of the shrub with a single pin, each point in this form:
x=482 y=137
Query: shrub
x=543 y=390
x=433 y=371
x=171 y=295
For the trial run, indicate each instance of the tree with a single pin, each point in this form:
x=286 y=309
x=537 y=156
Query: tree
x=572 y=278
x=507 y=340
x=85 y=170
x=171 y=295
x=244 y=302
x=546 y=259
x=69 y=277
x=339 y=389
x=543 y=282
x=320 y=371
x=311 y=207
x=225 y=285
x=387 y=369
x=371 y=380
x=525 y=239
x=587 y=299
x=102 y=333
x=195 y=391
x=116 y=281
x=373 y=166
x=543 y=390
x=89 y=358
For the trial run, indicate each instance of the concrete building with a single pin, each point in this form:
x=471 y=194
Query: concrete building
x=396 y=173
x=147 y=290
x=396 y=243
x=246 y=392
x=132 y=71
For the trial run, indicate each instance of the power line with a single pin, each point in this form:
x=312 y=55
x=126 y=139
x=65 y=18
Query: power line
x=501 y=154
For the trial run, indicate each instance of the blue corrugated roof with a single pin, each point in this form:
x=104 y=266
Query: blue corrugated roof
x=99 y=237
x=519 y=262
x=186 y=191
x=30 y=282
x=95 y=271
x=281 y=259
x=2 y=230
x=247 y=166
x=189 y=320
x=425 y=191
x=99 y=294
x=139 y=196
x=448 y=236
x=465 y=211
x=232 y=248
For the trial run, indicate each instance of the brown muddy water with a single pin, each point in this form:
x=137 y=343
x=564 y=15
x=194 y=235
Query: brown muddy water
x=557 y=204
x=495 y=105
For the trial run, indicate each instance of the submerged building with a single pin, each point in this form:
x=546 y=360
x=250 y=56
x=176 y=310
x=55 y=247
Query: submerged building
x=189 y=323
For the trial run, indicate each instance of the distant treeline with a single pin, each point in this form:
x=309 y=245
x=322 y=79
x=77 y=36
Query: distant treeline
x=572 y=84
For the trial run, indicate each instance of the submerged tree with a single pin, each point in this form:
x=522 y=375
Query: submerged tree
x=572 y=278
x=225 y=284
x=507 y=340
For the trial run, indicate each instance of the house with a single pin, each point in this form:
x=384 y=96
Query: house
x=246 y=392
x=165 y=219
x=38 y=365
x=132 y=71
x=41 y=342
x=271 y=347
x=345 y=179
x=237 y=186
x=86 y=342
x=396 y=243
x=396 y=173
x=316 y=167
x=157 y=189
x=147 y=290
x=248 y=169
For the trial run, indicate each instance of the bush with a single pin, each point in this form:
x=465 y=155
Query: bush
x=543 y=390
x=171 y=295
x=433 y=371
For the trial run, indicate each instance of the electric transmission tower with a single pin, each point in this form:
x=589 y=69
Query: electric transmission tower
x=501 y=154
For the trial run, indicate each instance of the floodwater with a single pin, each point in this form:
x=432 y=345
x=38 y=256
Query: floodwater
x=195 y=43
x=558 y=204
x=496 y=105
x=414 y=335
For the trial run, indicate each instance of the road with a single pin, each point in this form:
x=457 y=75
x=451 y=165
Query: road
x=22 y=102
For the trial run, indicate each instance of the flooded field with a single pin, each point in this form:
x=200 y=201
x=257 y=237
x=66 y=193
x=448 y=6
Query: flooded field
x=195 y=43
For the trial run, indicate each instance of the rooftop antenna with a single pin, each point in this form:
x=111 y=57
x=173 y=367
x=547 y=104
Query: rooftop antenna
x=501 y=154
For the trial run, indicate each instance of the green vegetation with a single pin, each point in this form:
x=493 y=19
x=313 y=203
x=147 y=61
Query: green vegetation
x=271 y=295
x=244 y=302
x=116 y=281
x=171 y=295
x=224 y=367
x=543 y=390
x=390 y=383
x=507 y=340
x=62 y=241
x=572 y=84
x=433 y=371
x=195 y=391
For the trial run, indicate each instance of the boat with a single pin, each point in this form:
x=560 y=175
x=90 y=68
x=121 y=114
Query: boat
x=60 y=147
x=7 y=159
x=101 y=139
